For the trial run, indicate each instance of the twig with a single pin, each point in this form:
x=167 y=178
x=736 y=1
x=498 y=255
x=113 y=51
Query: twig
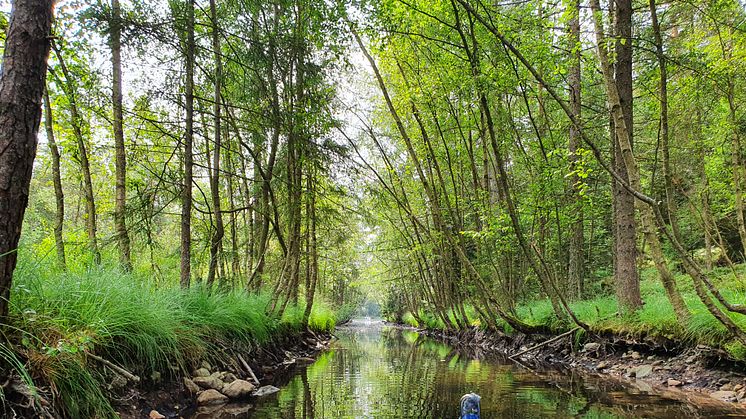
x=126 y=374
x=248 y=368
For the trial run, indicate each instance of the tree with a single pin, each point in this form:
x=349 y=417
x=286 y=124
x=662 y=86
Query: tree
x=59 y=196
x=22 y=85
x=120 y=155
x=186 y=187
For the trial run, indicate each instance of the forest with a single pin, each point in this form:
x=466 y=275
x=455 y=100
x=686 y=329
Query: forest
x=190 y=179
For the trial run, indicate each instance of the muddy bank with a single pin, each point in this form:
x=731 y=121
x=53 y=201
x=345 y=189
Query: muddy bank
x=697 y=374
x=222 y=389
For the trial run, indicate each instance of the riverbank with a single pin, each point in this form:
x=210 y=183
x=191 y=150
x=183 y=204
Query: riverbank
x=694 y=373
x=87 y=344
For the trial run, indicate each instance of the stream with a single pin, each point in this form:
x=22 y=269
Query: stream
x=378 y=371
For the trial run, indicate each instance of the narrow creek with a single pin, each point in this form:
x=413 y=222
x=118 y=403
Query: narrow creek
x=378 y=371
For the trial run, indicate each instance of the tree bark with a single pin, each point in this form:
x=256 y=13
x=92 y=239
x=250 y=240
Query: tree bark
x=186 y=191
x=120 y=156
x=22 y=84
x=59 y=196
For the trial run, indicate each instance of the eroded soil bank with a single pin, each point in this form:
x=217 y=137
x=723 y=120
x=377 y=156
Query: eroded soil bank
x=226 y=389
x=697 y=374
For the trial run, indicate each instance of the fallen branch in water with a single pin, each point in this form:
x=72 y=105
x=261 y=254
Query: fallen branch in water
x=126 y=374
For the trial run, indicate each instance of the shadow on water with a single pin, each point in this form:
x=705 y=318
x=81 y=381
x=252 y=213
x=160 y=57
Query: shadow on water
x=377 y=371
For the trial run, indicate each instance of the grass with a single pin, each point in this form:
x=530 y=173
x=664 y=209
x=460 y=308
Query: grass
x=57 y=318
x=655 y=319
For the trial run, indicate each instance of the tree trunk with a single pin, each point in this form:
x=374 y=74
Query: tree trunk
x=59 y=196
x=186 y=192
x=120 y=159
x=217 y=237
x=576 y=255
x=626 y=276
x=24 y=71
x=90 y=202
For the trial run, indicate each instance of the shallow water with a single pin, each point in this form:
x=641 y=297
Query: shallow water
x=377 y=371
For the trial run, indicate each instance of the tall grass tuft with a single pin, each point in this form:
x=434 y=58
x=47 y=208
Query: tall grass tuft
x=59 y=318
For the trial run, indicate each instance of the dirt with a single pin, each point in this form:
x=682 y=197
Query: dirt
x=697 y=374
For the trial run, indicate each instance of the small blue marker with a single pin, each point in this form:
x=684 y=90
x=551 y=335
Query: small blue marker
x=470 y=407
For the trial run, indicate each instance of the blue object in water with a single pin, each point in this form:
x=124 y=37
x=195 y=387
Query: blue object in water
x=470 y=407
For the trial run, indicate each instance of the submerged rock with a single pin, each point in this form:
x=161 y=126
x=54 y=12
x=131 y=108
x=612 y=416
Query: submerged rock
x=265 y=391
x=211 y=396
x=238 y=389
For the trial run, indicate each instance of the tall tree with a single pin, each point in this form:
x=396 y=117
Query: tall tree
x=186 y=189
x=576 y=251
x=59 y=196
x=22 y=84
x=70 y=88
x=217 y=236
x=626 y=276
x=120 y=156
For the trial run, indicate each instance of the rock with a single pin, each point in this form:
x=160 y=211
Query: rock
x=229 y=377
x=602 y=365
x=155 y=376
x=118 y=382
x=591 y=347
x=740 y=395
x=643 y=386
x=727 y=387
x=206 y=366
x=726 y=396
x=674 y=383
x=191 y=387
x=154 y=414
x=635 y=355
x=691 y=359
x=642 y=371
x=265 y=391
x=211 y=396
x=210 y=382
x=202 y=372
x=738 y=387
x=238 y=389
x=723 y=381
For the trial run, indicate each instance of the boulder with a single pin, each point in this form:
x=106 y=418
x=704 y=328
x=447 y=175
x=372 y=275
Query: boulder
x=726 y=396
x=206 y=365
x=210 y=382
x=642 y=371
x=191 y=387
x=591 y=347
x=265 y=391
x=228 y=377
x=238 y=389
x=211 y=396
x=674 y=383
x=201 y=372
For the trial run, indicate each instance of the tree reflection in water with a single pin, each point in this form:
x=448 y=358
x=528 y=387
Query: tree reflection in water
x=375 y=371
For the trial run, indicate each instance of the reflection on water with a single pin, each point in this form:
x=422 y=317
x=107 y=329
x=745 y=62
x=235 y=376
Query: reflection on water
x=375 y=371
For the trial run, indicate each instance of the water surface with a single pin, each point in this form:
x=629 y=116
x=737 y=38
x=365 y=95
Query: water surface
x=377 y=371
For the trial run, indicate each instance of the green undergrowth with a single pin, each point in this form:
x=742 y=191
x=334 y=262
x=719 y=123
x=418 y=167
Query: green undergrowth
x=59 y=318
x=655 y=319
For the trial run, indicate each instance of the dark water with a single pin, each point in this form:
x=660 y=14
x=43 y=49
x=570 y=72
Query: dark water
x=375 y=371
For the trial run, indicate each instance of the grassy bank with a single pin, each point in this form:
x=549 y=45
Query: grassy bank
x=655 y=319
x=58 y=319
